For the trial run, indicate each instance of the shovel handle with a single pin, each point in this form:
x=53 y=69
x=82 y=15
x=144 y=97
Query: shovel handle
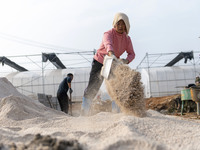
x=70 y=103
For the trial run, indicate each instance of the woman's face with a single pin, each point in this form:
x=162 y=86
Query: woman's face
x=120 y=27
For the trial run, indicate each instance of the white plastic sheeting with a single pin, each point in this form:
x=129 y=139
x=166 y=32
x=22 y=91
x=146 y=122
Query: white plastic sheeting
x=164 y=81
x=79 y=83
x=30 y=83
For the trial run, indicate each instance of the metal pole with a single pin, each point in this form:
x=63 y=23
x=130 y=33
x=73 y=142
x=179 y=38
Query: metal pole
x=194 y=64
x=198 y=108
x=182 y=107
x=43 y=79
x=149 y=73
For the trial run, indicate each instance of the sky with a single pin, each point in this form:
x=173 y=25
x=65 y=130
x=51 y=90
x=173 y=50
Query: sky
x=62 y=26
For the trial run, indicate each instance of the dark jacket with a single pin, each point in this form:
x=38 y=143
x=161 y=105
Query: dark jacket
x=63 y=87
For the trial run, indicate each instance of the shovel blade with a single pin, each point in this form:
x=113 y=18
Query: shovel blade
x=107 y=63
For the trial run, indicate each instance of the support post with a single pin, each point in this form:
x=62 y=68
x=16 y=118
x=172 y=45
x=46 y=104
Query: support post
x=182 y=107
x=198 y=108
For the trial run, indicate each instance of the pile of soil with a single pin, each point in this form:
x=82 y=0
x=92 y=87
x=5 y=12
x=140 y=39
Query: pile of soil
x=168 y=103
x=171 y=105
x=44 y=143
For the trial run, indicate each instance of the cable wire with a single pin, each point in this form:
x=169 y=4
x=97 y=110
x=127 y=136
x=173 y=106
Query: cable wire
x=34 y=43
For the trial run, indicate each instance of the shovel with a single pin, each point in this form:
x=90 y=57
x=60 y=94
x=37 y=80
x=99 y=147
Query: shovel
x=70 y=104
x=107 y=63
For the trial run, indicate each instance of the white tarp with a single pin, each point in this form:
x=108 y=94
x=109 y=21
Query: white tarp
x=164 y=81
x=30 y=83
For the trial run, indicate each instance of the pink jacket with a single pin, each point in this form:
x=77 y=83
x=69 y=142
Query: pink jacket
x=118 y=43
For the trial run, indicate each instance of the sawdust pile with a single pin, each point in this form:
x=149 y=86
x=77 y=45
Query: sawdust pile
x=125 y=88
x=7 y=89
x=27 y=124
x=44 y=143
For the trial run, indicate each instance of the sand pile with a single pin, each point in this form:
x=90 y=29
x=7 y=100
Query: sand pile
x=45 y=143
x=20 y=108
x=22 y=120
x=125 y=88
x=6 y=89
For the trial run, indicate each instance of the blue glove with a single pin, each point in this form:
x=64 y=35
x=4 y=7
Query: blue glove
x=70 y=90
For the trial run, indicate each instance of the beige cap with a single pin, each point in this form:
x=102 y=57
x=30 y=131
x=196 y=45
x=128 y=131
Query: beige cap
x=124 y=17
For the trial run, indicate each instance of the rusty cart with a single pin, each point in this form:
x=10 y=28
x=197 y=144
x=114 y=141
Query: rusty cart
x=192 y=93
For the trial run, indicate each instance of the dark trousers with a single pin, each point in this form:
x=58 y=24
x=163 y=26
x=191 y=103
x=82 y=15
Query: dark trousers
x=95 y=80
x=63 y=100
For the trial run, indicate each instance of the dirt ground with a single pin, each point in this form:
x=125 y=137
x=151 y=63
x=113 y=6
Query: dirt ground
x=44 y=143
x=171 y=105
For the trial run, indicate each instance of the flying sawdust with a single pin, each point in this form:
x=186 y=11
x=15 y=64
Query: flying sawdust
x=125 y=88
